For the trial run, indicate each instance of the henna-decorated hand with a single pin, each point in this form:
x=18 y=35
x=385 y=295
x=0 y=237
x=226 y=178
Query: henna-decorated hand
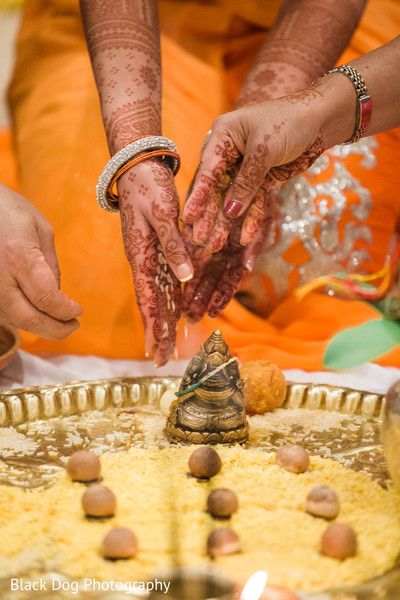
x=155 y=250
x=264 y=144
x=218 y=276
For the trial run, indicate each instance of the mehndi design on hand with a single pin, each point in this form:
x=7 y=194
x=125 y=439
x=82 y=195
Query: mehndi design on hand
x=218 y=276
x=151 y=237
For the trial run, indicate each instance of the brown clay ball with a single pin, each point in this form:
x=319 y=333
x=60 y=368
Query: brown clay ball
x=84 y=466
x=339 y=541
x=98 y=501
x=222 y=541
x=120 y=542
x=204 y=462
x=293 y=458
x=322 y=501
x=222 y=503
x=264 y=386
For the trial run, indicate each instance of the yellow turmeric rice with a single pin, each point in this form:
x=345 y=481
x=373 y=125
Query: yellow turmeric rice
x=166 y=510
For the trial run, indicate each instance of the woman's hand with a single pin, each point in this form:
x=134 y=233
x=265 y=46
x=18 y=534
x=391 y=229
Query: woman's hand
x=249 y=151
x=155 y=250
x=231 y=206
x=218 y=276
x=30 y=295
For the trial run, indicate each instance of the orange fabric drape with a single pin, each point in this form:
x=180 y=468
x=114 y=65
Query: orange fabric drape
x=60 y=147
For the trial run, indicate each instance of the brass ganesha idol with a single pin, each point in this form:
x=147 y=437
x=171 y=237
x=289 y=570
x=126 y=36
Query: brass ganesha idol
x=210 y=406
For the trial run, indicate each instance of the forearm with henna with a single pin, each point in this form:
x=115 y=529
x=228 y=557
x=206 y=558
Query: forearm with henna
x=306 y=40
x=123 y=39
x=124 y=45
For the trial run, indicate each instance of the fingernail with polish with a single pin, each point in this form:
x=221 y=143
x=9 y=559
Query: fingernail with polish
x=184 y=272
x=233 y=208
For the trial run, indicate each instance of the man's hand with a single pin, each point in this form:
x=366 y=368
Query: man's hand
x=30 y=295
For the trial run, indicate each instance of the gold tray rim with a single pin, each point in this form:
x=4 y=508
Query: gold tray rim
x=332 y=398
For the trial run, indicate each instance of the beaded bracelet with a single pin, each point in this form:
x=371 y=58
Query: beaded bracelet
x=141 y=147
x=364 y=102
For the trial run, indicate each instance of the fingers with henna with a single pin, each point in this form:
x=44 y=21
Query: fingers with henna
x=235 y=270
x=212 y=181
x=164 y=330
x=162 y=210
x=199 y=291
x=248 y=180
x=255 y=247
x=219 y=234
x=226 y=290
x=263 y=207
x=160 y=310
x=175 y=252
x=157 y=290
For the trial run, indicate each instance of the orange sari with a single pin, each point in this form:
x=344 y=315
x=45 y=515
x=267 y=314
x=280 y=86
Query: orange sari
x=60 y=147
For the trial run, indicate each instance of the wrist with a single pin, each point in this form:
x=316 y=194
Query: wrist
x=138 y=150
x=132 y=133
x=338 y=109
x=133 y=120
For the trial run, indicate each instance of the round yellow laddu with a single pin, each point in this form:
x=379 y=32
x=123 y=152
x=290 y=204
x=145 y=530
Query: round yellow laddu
x=264 y=386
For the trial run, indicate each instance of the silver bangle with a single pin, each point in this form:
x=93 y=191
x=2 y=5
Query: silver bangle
x=146 y=144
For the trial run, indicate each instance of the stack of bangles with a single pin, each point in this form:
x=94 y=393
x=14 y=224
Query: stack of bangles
x=134 y=152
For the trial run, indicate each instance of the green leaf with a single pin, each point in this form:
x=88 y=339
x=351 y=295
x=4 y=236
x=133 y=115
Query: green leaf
x=358 y=345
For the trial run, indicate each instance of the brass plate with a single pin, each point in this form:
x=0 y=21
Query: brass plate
x=41 y=427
